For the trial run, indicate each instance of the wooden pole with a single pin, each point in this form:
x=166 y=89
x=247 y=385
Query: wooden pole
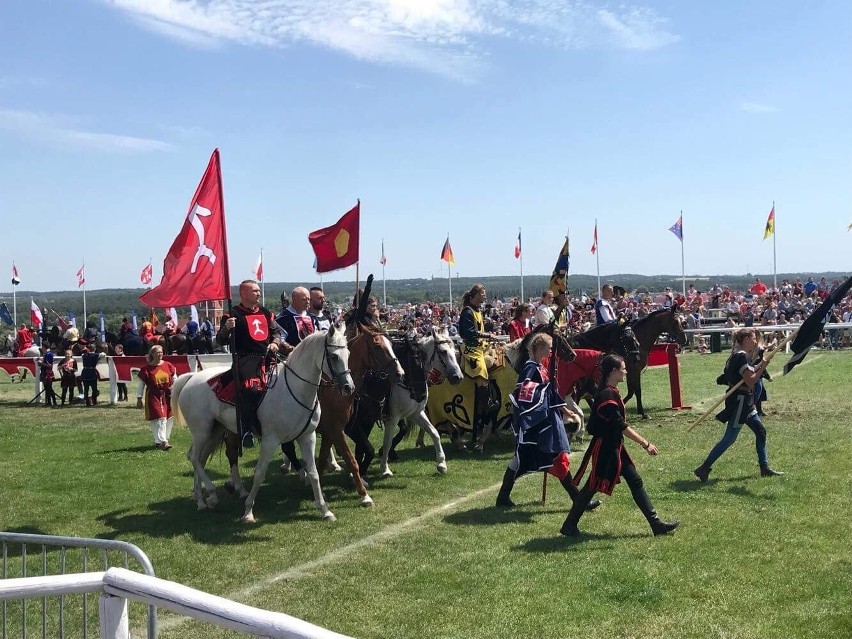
x=544 y=488
x=769 y=357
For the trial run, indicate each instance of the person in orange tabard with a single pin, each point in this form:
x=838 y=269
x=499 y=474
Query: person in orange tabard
x=158 y=377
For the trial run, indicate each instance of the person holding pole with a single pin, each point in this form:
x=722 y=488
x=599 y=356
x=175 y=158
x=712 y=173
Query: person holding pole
x=739 y=405
x=256 y=335
x=610 y=461
x=473 y=366
x=539 y=420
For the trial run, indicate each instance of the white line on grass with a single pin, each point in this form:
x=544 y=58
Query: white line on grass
x=310 y=567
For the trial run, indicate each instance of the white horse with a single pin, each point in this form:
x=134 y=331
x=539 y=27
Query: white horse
x=9 y=348
x=290 y=411
x=438 y=352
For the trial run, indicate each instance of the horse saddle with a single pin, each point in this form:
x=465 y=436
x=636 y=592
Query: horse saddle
x=223 y=387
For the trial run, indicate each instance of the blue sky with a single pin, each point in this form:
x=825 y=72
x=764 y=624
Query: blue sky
x=471 y=117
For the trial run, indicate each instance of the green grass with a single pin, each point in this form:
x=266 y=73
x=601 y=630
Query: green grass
x=753 y=557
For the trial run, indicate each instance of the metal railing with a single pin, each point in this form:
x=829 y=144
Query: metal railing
x=94 y=554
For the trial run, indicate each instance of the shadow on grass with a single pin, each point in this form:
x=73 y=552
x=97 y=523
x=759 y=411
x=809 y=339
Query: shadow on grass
x=280 y=501
x=149 y=448
x=491 y=516
x=561 y=543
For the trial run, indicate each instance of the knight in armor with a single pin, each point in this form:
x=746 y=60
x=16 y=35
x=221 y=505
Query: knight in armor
x=740 y=407
x=473 y=365
x=607 y=457
x=256 y=335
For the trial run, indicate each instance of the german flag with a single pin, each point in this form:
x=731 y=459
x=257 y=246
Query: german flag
x=447 y=253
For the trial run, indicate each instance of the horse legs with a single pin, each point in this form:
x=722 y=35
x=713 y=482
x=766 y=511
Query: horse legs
x=307 y=444
x=425 y=425
x=232 y=452
x=388 y=441
x=268 y=447
x=198 y=453
x=634 y=387
x=343 y=449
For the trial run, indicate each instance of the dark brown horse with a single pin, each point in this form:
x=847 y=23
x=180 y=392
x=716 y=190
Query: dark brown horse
x=647 y=331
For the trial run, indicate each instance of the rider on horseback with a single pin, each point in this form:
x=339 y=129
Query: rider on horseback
x=255 y=334
x=23 y=341
x=473 y=365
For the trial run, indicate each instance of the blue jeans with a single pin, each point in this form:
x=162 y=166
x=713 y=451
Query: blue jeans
x=733 y=431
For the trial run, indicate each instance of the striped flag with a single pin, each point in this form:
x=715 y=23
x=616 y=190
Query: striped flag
x=447 y=253
x=770 y=224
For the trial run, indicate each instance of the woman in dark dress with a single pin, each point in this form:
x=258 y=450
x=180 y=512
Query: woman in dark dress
x=607 y=457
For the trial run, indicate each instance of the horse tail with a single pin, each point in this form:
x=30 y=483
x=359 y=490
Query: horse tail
x=177 y=387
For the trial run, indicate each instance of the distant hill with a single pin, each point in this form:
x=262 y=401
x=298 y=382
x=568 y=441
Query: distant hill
x=116 y=303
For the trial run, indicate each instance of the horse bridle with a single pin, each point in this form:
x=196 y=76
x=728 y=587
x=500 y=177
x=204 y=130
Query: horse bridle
x=625 y=342
x=382 y=373
x=338 y=377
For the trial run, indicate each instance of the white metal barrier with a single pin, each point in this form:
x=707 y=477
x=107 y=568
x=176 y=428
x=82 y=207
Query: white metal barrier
x=118 y=585
x=92 y=552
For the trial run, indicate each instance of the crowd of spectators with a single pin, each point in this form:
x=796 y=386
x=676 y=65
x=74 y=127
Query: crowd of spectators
x=761 y=305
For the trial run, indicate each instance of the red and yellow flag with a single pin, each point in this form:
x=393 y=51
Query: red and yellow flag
x=770 y=224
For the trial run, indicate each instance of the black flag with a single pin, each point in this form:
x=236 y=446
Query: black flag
x=811 y=328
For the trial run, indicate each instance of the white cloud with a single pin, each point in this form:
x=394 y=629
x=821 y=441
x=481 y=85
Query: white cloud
x=450 y=37
x=56 y=131
x=754 y=107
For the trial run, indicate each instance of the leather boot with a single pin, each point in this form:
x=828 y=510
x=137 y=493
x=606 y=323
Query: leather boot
x=569 y=527
x=702 y=472
x=574 y=492
x=643 y=501
x=503 y=498
x=766 y=471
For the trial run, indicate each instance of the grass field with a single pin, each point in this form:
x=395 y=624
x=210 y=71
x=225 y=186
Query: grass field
x=753 y=557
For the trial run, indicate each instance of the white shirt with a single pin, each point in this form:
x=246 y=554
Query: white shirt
x=543 y=314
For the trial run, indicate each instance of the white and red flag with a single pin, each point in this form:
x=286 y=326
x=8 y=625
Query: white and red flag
x=36 y=318
x=518 y=246
x=81 y=276
x=196 y=266
x=147 y=274
x=258 y=268
x=15 y=279
x=595 y=240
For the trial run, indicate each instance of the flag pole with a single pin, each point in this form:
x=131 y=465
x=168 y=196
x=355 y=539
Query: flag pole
x=521 y=257
x=15 y=306
x=682 y=262
x=384 y=280
x=774 y=259
x=450 y=277
x=262 y=281
x=598 y=256
x=85 y=317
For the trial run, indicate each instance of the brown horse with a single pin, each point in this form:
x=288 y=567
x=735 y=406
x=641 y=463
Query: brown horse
x=370 y=351
x=647 y=330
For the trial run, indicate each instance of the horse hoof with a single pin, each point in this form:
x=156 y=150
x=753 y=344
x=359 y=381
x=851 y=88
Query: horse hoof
x=329 y=516
x=243 y=495
x=478 y=448
x=645 y=416
x=229 y=487
x=335 y=467
x=442 y=468
x=285 y=468
x=367 y=501
x=248 y=519
x=387 y=473
x=212 y=502
x=202 y=506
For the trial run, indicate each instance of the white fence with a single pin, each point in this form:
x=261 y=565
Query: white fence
x=118 y=585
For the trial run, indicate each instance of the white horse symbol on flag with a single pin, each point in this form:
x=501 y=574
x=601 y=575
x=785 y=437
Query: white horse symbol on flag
x=196 y=266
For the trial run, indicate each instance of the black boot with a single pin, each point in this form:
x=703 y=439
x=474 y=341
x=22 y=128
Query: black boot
x=574 y=492
x=503 y=499
x=581 y=502
x=702 y=472
x=640 y=496
x=766 y=471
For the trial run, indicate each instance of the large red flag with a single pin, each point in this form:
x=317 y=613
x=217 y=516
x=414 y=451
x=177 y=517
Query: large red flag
x=196 y=266
x=336 y=246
